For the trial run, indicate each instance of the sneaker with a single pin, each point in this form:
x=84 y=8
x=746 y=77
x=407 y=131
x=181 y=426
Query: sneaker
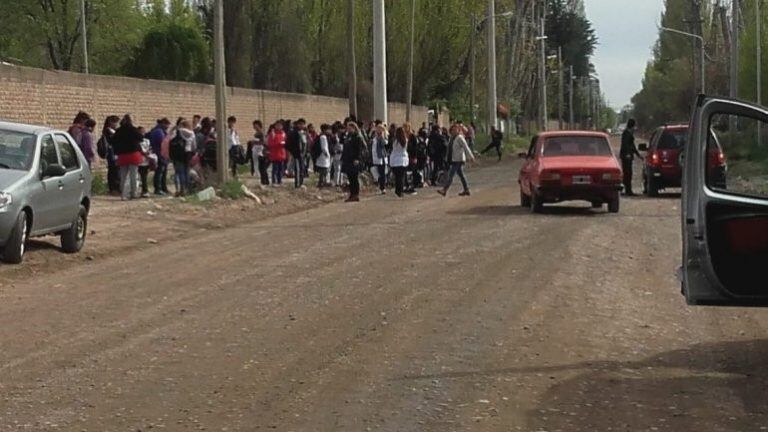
x=465 y=193
x=383 y=192
x=442 y=192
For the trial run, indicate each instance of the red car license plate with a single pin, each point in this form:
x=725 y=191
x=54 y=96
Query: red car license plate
x=582 y=180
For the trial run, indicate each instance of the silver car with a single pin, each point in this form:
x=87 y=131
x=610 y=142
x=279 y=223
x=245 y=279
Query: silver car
x=45 y=188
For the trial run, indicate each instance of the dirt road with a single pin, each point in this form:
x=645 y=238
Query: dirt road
x=425 y=314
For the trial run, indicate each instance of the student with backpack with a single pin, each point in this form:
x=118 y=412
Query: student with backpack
x=259 y=152
x=180 y=150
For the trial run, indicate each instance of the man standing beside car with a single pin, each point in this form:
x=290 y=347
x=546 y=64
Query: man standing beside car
x=627 y=154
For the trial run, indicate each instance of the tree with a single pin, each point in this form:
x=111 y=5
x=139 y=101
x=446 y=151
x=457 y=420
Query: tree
x=172 y=51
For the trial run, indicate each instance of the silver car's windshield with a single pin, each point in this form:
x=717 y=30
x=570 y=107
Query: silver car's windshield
x=16 y=150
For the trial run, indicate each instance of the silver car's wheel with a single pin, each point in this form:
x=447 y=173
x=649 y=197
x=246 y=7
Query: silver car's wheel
x=16 y=245
x=73 y=239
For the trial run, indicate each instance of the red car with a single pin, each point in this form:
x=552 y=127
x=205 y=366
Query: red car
x=570 y=166
x=665 y=159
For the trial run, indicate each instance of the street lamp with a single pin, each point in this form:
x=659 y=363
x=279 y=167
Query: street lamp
x=703 y=54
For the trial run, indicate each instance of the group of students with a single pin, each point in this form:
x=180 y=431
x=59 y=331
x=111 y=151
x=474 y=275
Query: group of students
x=338 y=153
x=341 y=152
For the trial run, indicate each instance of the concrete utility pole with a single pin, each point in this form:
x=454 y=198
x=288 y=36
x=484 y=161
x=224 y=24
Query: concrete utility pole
x=544 y=111
x=352 y=61
x=561 y=90
x=379 y=62
x=220 y=78
x=735 y=36
x=570 y=99
x=759 y=53
x=410 y=62
x=472 y=56
x=492 y=102
x=84 y=31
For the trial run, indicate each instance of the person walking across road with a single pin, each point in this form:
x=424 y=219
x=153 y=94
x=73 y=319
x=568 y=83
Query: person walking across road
x=627 y=153
x=458 y=153
x=497 y=139
x=399 y=160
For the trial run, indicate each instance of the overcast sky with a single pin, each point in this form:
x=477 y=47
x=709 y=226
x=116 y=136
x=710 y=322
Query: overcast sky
x=627 y=30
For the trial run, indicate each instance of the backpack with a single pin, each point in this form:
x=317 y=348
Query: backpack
x=237 y=154
x=177 y=149
x=102 y=147
x=316 y=151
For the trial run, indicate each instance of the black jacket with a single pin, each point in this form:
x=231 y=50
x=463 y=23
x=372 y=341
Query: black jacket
x=126 y=140
x=628 y=149
x=353 y=151
x=294 y=145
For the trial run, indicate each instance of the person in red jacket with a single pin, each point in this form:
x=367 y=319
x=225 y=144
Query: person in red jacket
x=277 y=153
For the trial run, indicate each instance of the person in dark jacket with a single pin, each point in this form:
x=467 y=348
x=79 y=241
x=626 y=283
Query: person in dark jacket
x=627 y=154
x=297 y=146
x=352 y=159
x=497 y=138
x=127 y=145
x=437 y=148
x=156 y=137
x=107 y=152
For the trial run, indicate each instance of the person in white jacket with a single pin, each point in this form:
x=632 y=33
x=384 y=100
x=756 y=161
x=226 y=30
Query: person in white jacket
x=323 y=161
x=379 y=156
x=458 y=153
x=399 y=160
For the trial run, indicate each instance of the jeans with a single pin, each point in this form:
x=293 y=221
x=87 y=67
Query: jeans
x=161 y=173
x=181 y=176
x=399 y=180
x=277 y=172
x=263 y=166
x=322 y=173
x=144 y=175
x=457 y=168
x=337 y=174
x=382 y=170
x=129 y=177
x=298 y=171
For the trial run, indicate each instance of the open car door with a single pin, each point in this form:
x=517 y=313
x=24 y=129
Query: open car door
x=725 y=205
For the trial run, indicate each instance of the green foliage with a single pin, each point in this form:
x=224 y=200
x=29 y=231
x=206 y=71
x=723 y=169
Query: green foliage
x=233 y=190
x=172 y=51
x=99 y=185
x=573 y=33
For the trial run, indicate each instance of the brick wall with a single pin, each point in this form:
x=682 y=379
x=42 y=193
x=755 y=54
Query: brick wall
x=52 y=98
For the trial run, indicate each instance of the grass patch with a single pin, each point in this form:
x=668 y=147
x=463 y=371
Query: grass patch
x=233 y=190
x=99 y=185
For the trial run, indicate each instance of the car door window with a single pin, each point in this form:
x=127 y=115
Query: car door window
x=68 y=154
x=48 y=154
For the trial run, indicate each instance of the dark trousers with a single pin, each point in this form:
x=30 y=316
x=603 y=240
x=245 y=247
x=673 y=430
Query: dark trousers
x=144 y=175
x=492 y=146
x=113 y=178
x=626 y=166
x=298 y=171
x=382 y=171
x=322 y=174
x=253 y=162
x=161 y=177
x=277 y=172
x=399 y=180
x=437 y=166
x=263 y=166
x=353 y=175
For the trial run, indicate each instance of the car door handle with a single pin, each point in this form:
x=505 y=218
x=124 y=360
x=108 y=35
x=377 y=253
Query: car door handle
x=82 y=180
x=61 y=186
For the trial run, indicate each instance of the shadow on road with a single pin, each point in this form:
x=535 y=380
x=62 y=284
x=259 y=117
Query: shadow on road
x=512 y=210
x=718 y=386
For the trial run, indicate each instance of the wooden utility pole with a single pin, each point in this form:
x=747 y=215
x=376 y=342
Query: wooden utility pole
x=220 y=79
x=735 y=36
x=352 y=61
x=561 y=87
x=491 y=36
x=411 y=47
